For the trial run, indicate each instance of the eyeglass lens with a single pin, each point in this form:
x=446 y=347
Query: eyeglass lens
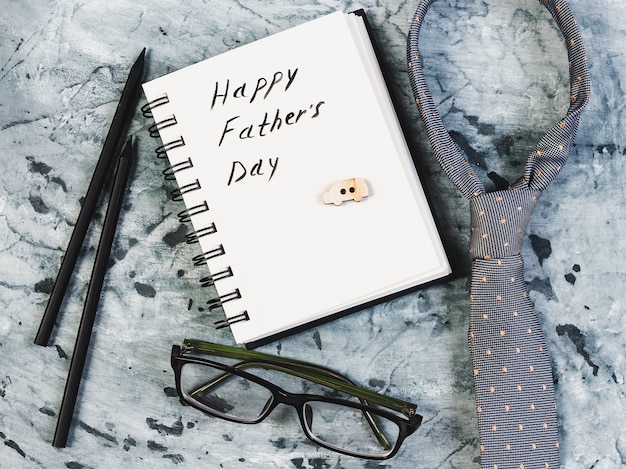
x=224 y=394
x=347 y=428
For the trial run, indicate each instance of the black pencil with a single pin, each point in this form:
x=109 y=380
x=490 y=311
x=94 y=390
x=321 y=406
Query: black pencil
x=93 y=297
x=122 y=116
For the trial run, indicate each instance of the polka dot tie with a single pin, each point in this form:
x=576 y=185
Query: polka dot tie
x=515 y=401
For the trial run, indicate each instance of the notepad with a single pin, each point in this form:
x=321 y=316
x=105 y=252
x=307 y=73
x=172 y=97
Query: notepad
x=268 y=144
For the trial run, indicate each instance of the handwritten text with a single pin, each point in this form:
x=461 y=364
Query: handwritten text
x=268 y=125
x=270 y=112
x=239 y=170
x=246 y=91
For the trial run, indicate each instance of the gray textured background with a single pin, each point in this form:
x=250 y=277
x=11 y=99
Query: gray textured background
x=499 y=74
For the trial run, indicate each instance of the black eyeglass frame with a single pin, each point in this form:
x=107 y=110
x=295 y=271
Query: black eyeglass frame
x=407 y=424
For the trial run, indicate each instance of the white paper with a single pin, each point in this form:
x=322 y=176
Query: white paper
x=270 y=127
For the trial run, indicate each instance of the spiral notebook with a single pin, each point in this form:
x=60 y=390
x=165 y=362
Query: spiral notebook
x=296 y=177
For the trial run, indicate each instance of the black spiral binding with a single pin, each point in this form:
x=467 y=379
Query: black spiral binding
x=161 y=152
x=194 y=237
x=185 y=216
x=243 y=316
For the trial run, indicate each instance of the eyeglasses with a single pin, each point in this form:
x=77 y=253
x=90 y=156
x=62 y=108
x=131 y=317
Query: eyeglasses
x=333 y=412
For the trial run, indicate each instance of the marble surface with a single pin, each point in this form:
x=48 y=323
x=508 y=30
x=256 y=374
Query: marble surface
x=498 y=71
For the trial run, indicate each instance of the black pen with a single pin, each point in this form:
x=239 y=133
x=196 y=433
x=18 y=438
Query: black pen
x=124 y=111
x=93 y=297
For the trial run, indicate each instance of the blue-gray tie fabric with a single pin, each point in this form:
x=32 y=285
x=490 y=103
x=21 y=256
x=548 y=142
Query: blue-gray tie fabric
x=515 y=401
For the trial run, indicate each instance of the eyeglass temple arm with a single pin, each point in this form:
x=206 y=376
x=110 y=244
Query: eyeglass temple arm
x=316 y=373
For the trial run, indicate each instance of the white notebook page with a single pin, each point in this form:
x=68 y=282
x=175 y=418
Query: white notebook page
x=270 y=127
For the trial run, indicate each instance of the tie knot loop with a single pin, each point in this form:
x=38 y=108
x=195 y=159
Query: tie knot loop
x=498 y=222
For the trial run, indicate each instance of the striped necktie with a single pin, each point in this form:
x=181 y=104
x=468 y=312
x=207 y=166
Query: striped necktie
x=513 y=380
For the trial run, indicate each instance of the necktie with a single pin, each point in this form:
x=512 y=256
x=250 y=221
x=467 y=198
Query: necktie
x=515 y=401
